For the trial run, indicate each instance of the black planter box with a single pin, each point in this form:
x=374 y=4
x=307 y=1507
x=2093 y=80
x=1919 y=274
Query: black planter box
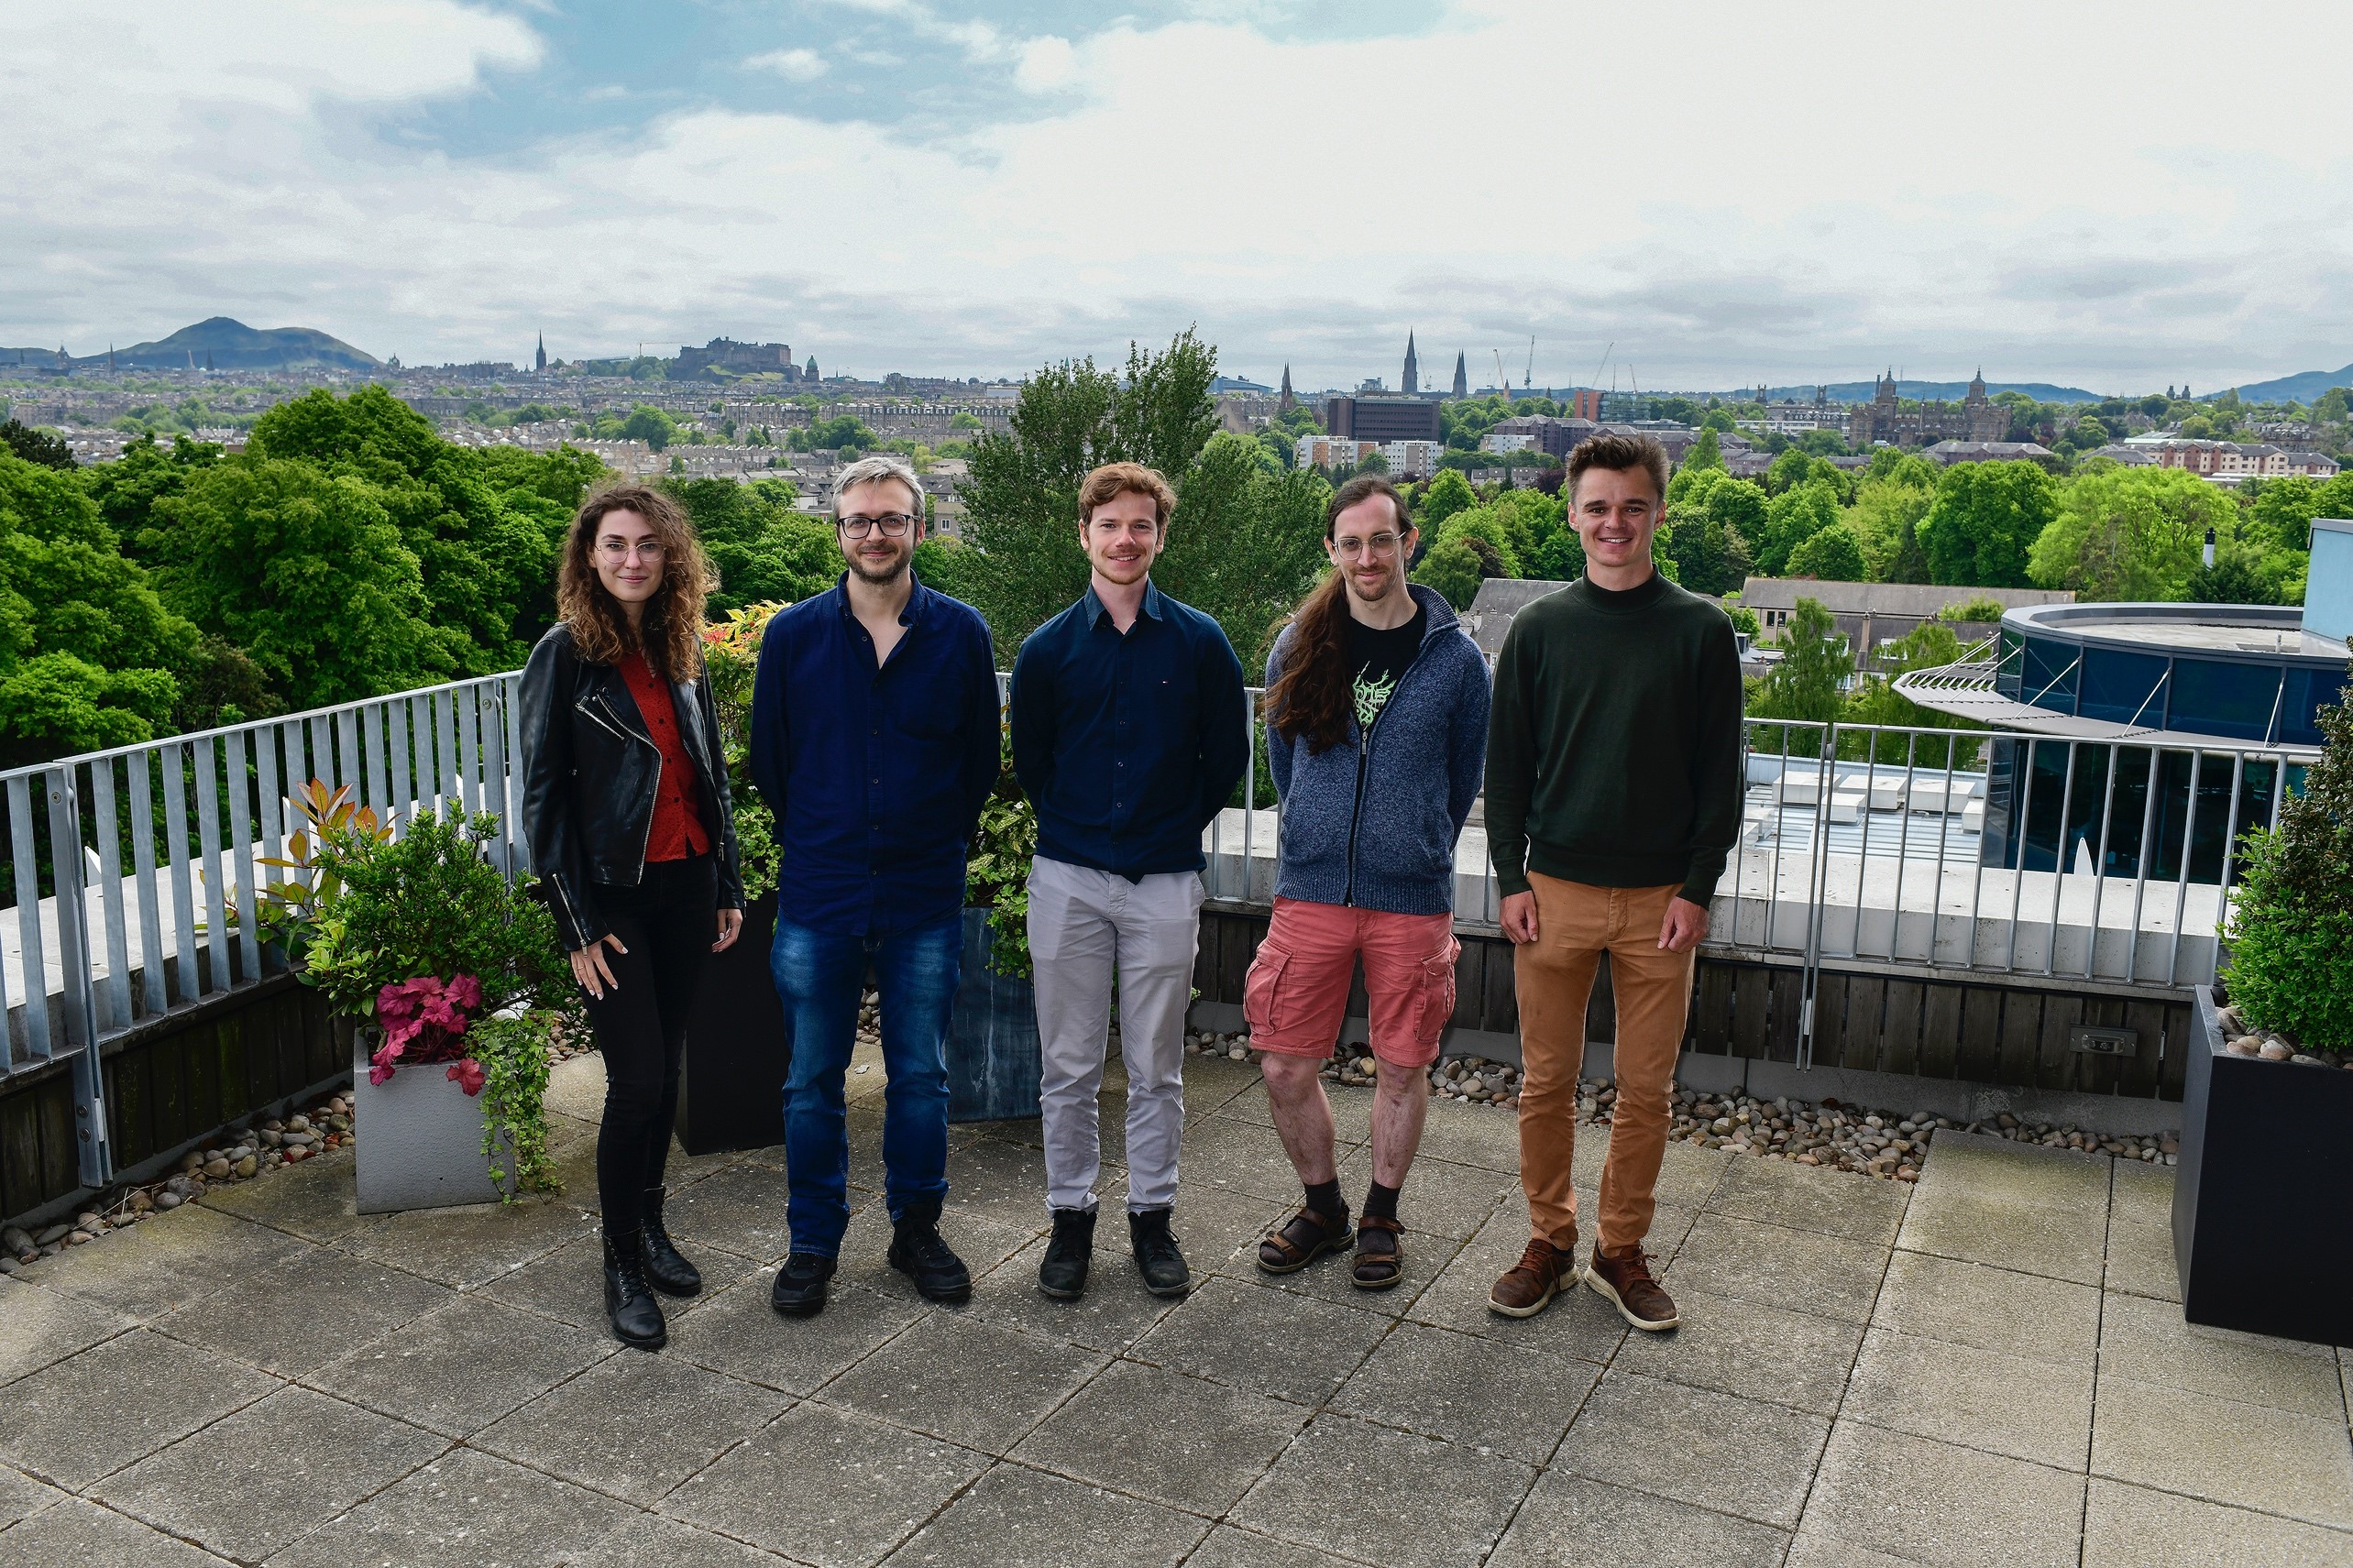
x=732 y=1091
x=992 y=1059
x=2263 y=1196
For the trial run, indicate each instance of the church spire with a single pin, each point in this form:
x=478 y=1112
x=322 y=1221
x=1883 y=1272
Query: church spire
x=1462 y=376
x=1412 y=381
x=1289 y=401
x=543 y=352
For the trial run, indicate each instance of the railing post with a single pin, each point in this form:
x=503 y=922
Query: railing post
x=91 y=1145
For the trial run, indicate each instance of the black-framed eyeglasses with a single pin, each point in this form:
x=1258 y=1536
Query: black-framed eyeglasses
x=894 y=524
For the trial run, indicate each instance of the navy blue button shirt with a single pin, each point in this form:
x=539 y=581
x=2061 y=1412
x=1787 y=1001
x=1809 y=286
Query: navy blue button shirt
x=876 y=777
x=1127 y=745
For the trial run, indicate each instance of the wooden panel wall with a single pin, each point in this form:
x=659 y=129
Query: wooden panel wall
x=2013 y=1032
x=167 y=1084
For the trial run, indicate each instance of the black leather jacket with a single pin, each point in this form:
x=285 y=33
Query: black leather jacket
x=590 y=770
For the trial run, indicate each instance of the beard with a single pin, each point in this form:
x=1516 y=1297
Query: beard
x=888 y=576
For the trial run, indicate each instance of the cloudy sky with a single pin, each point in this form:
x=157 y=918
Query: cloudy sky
x=2114 y=196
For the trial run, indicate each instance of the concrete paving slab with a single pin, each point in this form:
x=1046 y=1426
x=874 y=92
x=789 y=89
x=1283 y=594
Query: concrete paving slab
x=1351 y=1110
x=87 y=1536
x=1939 y=1503
x=1113 y=1314
x=459 y=1369
x=964 y=1381
x=1227 y=1547
x=312 y=1199
x=633 y=1426
x=1468 y=1390
x=2222 y=1451
x=1860 y=1208
x=1797 y=1359
x=1578 y=1324
x=737 y=1333
x=466 y=1506
x=164 y=1262
x=1484 y=1135
x=46 y=1325
x=568 y=1284
x=1382 y=1495
x=2140 y=1259
x=473 y=1244
x=739 y=1209
x=1689 y=1175
x=2027 y=1315
x=982 y=1244
x=2148 y=1342
x=1572 y=1519
x=1439 y=1196
x=1715 y=1451
x=826 y=1486
x=1161 y=1436
x=576 y=1088
x=1000 y=1181
x=114 y=1403
x=1980 y=1399
x=2141 y=1193
x=295 y=1317
x=649 y=1540
x=2029 y=1173
x=1223 y=1155
x=1999 y=1229
x=1264 y=1341
x=2125 y=1527
x=252 y=1482
x=21 y=1496
x=1824 y=1551
x=1023 y=1519
x=1798 y=1271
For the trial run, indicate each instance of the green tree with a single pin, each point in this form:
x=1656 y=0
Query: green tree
x=1707 y=451
x=1244 y=544
x=36 y=446
x=763 y=549
x=1711 y=556
x=126 y=489
x=1454 y=569
x=1808 y=682
x=1885 y=519
x=1021 y=496
x=841 y=432
x=1832 y=554
x=651 y=425
x=1986 y=519
x=1791 y=518
x=1448 y=493
x=2130 y=534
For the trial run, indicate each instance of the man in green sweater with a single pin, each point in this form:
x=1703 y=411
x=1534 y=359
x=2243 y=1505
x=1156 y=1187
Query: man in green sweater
x=1613 y=789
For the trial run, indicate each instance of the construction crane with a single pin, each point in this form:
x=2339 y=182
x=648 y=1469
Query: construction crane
x=1501 y=380
x=1529 y=380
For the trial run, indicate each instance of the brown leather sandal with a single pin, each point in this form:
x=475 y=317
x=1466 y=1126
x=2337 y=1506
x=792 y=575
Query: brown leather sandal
x=1380 y=1253
x=1302 y=1239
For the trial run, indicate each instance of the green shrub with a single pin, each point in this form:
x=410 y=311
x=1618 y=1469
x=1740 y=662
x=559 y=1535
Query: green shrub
x=2290 y=922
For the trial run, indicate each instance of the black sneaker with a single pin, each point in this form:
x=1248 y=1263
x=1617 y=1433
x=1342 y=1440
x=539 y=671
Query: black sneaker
x=1063 y=1275
x=1158 y=1260
x=800 y=1290
x=917 y=1252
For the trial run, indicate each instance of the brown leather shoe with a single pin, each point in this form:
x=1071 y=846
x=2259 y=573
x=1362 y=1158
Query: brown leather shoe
x=1542 y=1272
x=1625 y=1280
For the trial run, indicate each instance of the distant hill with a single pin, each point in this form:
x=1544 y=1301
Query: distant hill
x=230 y=346
x=1949 y=391
x=2304 y=387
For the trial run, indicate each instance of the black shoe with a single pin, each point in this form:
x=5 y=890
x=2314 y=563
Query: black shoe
x=635 y=1315
x=1063 y=1275
x=917 y=1252
x=666 y=1268
x=1158 y=1260
x=800 y=1290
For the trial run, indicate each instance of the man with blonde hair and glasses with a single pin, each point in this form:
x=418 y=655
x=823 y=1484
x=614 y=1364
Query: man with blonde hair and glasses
x=875 y=739
x=1130 y=727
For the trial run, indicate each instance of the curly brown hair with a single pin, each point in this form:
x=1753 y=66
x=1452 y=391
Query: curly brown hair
x=670 y=630
x=1314 y=695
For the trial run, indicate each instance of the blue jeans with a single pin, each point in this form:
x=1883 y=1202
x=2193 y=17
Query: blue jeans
x=819 y=975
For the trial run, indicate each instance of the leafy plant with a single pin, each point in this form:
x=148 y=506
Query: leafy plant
x=335 y=828
x=996 y=873
x=2290 y=924
x=511 y=1049
x=732 y=653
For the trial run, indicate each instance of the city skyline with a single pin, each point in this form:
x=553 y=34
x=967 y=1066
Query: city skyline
x=954 y=188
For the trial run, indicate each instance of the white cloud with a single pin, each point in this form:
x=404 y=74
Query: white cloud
x=795 y=64
x=1746 y=200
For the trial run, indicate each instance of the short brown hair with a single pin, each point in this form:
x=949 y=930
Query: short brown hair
x=1114 y=480
x=671 y=628
x=1361 y=489
x=1618 y=453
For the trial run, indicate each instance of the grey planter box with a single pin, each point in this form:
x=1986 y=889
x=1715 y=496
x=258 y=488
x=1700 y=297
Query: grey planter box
x=992 y=1047
x=423 y=1148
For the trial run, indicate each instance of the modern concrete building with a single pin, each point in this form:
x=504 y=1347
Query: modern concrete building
x=1382 y=418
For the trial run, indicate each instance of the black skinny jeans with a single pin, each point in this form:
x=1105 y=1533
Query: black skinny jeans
x=667 y=922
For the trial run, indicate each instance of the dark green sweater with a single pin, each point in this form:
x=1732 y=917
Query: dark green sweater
x=1613 y=749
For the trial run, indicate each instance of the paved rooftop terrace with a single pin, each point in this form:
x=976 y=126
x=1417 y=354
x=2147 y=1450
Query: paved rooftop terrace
x=1988 y=1368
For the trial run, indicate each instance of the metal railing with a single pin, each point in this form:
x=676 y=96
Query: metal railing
x=132 y=871
x=1953 y=849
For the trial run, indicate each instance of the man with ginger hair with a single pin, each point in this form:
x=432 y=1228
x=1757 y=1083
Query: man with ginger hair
x=1130 y=729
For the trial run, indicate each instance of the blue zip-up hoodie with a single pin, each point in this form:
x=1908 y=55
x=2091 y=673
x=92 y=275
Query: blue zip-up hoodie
x=1372 y=822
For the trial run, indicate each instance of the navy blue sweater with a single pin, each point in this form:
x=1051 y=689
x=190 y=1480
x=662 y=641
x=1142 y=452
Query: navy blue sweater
x=1383 y=835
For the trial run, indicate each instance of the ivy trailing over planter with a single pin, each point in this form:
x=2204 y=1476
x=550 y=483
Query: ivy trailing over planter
x=731 y=658
x=996 y=873
x=511 y=1049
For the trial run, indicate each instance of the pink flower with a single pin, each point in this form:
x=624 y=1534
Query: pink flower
x=466 y=1073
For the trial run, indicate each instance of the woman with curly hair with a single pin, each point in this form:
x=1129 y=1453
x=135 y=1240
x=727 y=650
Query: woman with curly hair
x=625 y=803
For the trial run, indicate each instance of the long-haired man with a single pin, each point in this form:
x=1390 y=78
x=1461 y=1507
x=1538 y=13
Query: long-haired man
x=1377 y=737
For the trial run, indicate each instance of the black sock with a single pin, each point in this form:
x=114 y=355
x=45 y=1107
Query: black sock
x=1324 y=1197
x=1381 y=1202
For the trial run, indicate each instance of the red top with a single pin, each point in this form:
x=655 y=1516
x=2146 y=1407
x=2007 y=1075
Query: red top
x=678 y=826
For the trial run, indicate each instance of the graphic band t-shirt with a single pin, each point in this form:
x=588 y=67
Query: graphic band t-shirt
x=1377 y=658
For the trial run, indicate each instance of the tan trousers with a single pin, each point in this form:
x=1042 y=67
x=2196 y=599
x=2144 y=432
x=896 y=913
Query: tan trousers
x=1575 y=923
